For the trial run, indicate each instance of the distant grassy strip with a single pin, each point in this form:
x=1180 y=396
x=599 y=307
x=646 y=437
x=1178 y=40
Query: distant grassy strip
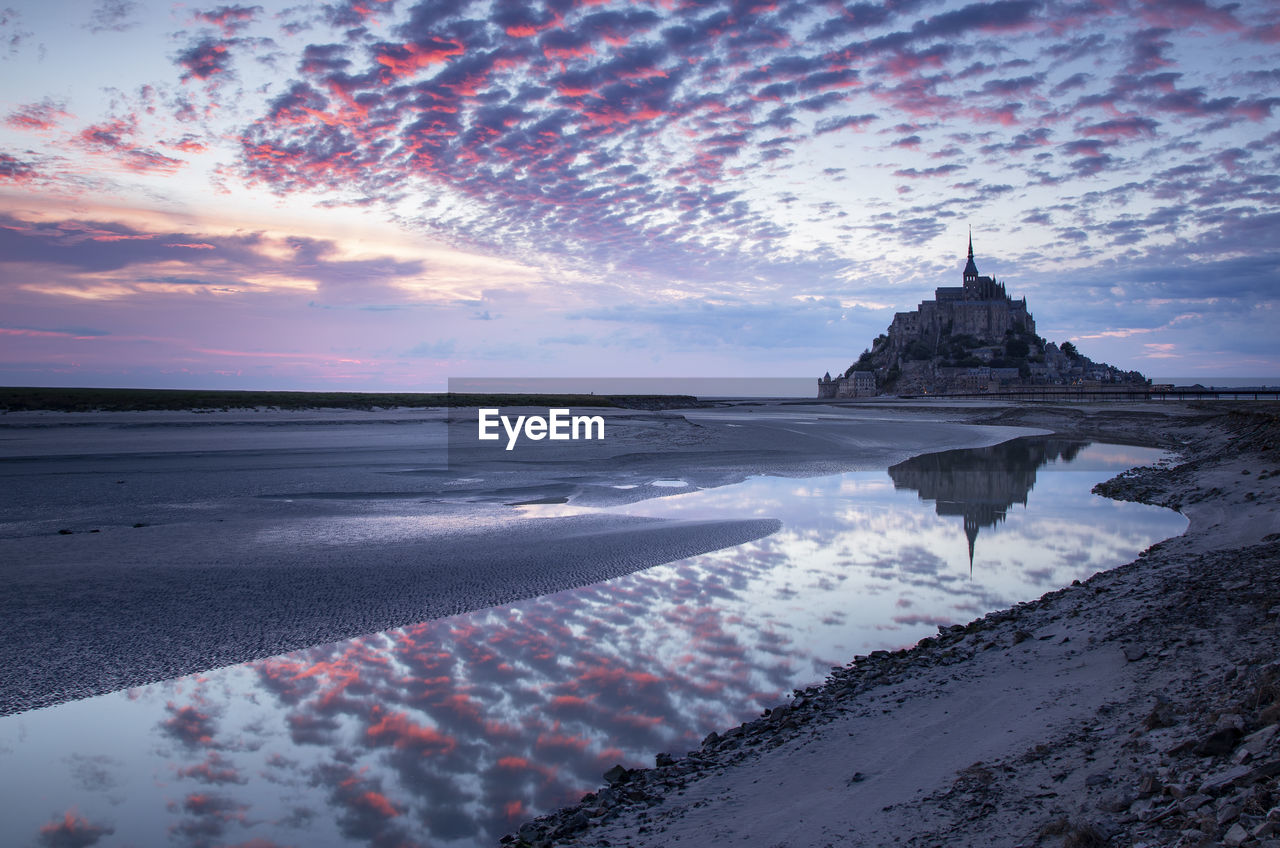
x=142 y=400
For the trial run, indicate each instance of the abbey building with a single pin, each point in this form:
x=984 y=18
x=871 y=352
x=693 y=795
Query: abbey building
x=970 y=338
x=979 y=308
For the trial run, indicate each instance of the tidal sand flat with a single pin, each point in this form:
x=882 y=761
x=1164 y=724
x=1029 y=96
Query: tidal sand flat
x=142 y=546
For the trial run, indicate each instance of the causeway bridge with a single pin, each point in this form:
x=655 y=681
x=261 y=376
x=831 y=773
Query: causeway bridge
x=1118 y=393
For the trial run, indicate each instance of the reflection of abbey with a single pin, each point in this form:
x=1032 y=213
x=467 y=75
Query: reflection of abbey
x=969 y=338
x=981 y=484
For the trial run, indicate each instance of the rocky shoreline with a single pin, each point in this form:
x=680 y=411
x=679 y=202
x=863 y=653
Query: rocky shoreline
x=1138 y=708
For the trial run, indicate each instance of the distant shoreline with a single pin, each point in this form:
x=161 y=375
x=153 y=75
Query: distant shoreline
x=83 y=399
x=30 y=399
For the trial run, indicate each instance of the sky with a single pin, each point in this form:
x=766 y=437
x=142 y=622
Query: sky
x=383 y=195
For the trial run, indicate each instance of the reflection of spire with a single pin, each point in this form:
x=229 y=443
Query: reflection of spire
x=980 y=484
x=971 y=533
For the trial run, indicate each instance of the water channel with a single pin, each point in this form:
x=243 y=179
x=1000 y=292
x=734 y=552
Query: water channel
x=453 y=731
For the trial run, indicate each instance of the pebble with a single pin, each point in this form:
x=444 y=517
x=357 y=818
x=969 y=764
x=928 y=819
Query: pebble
x=1115 y=802
x=1235 y=836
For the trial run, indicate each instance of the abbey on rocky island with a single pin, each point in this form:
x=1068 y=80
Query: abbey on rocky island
x=969 y=338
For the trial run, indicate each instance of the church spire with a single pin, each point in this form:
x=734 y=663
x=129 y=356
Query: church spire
x=970 y=269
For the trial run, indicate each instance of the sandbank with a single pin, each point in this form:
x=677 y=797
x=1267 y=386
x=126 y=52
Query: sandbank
x=142 y=546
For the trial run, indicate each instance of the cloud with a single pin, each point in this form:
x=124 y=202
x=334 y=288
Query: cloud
x=1186 y=14
x=14 y=169
x=442 y=349
x=693 y=326
x=324 y=58
x=844 y=122
x=1084 y=146
x=356 y=13
x=1120 y=128
x=1076 y=80
x=1000 y=16
x=231 y=19
x=478 y=106
x=43 y=115
x=1149 y=47
x=115 y=139
x=93 y=246
x=685 y=148
x=925 y=173
x=68 y=332
x=12 y=35
x=1087 y=166
x=205 y=58
x=113 y=16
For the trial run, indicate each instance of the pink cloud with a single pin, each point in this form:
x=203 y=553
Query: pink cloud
x=402 y=60
x=44 y=115
x=114 y=138
x=230 y=19
x=15 y=170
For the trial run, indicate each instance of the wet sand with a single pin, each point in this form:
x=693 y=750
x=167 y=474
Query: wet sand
x=138 y=547
x=1139 y=707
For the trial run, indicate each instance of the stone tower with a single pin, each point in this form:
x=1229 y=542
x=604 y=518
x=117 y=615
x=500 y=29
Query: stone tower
x=970 y=269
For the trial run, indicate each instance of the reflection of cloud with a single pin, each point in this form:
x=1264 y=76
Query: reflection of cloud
x=311 y=728
x=281 y=770
x=364 y=812
x=91 y=773
x=206 y=817
x=580 y=679
x=299 y=817
x=72 y=831
x=919 y=561
x=458 y=728
x=189 y=725
x=400 y=731
x=215 y=769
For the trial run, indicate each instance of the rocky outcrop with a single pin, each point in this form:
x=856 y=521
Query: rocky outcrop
x=969 y=338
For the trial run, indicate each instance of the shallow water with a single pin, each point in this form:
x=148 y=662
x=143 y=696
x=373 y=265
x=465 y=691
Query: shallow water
x=452 y=731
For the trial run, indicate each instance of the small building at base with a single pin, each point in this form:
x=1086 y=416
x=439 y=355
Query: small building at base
x=855 y=384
